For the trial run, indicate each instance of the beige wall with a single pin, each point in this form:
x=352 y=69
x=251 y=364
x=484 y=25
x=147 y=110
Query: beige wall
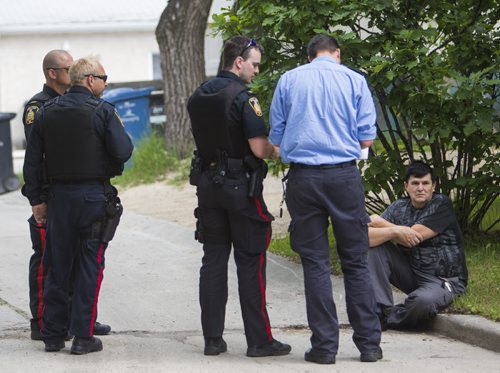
x=126 y=56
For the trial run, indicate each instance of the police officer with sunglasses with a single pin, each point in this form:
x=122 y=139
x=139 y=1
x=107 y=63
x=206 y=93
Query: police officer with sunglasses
x=80 y=142
x=56 y=65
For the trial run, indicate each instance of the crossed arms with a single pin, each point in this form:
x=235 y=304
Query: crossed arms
x=381 y=231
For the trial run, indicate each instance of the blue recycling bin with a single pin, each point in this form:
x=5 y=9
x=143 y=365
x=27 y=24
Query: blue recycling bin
x=133 y=107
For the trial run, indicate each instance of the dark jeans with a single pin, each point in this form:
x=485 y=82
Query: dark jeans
x=313 y=197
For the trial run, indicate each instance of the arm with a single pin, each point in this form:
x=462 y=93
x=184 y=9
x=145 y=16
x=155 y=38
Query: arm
x=33 y=167
x=262 y=148
x=425 y=232
x=381 y=231
x=366 y=116
x=277 y=115
x=365 y=143
x=118 y=143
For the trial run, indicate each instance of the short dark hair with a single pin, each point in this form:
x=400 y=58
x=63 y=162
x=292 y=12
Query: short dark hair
x=419 y=169
x=322 y=42
x=238 y=46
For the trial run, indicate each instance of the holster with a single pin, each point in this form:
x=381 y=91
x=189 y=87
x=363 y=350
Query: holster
x=114 y=210
x=258 y=172
x=196 y=169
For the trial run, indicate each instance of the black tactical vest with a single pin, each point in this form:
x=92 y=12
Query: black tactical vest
x=73 y=149
x=212 y=124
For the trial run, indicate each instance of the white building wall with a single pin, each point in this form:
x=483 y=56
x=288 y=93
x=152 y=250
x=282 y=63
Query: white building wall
x=125 y=55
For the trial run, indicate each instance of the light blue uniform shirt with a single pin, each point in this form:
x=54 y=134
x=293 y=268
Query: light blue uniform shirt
x=320 y=112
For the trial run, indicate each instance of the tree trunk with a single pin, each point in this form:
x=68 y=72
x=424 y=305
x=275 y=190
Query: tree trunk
x=181 y=38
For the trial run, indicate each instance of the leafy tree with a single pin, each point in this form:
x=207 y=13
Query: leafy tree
x=433 y=70
x=181 y=38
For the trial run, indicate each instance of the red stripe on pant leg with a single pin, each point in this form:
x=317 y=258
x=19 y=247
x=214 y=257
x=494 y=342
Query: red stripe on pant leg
x=261 y=277
x=263 y=298
x=265 y=217
x=40 y=278
x=98 y=288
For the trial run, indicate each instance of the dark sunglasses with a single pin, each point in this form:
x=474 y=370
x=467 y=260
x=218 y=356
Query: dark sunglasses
x=59 y=68
x=251 y=43
x=102 y=77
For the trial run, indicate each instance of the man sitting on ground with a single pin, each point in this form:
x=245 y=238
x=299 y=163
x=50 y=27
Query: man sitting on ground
x=417 y=246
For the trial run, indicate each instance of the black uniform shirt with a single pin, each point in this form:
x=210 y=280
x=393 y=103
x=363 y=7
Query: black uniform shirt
x=33 y=105
x=107 y=124
x=245 y=108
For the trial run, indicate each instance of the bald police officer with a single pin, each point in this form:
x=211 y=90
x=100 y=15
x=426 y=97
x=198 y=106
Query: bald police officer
x=56 y=64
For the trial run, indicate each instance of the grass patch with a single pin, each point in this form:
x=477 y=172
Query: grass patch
x=483 y=291
x=150 y=162
x=483 y=261
x=282 y=247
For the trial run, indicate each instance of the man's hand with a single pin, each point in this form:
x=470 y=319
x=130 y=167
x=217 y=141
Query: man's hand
x=40 y=213
x=406 y=236
x=276 y=152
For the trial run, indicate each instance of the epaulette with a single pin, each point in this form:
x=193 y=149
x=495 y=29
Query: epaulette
x=93 y=102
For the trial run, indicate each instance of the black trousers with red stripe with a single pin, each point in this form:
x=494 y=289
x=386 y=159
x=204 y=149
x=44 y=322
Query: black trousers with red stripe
x=72 y=259
x=228 y=218
x=37 y=272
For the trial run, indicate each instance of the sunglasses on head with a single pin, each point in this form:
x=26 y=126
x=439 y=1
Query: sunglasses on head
x=251 y=43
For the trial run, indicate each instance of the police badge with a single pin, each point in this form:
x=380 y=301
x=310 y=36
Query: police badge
x=254 y=103
x=29 y=115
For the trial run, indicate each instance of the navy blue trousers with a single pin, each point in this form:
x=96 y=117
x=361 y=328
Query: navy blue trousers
x=37 y=272
x=73 y=260
x=313 y=197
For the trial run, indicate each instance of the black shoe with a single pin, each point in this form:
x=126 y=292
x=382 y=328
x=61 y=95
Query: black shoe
x=85 y=345
x=274 y=348
x=101 y=329
x=371 y=356
x=36 y=335
x=317 y=357
x=215 y=346
x=54 y=346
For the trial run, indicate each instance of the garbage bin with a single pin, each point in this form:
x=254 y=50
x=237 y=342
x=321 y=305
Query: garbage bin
x=8 y=180
x=133 y=107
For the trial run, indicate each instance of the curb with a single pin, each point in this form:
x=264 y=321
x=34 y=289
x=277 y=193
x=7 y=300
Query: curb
x=470 y=329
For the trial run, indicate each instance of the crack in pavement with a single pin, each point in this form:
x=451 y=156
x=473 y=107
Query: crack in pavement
x=17 y=310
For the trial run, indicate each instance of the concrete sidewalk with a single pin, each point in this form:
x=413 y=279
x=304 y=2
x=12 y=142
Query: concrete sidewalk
x=150 y=297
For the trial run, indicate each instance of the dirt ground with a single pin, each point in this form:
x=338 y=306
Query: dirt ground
x=177 y=203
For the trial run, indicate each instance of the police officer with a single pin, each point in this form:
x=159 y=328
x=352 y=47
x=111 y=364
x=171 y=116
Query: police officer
x=231 y=141
x=80 y=141
x=56 y=64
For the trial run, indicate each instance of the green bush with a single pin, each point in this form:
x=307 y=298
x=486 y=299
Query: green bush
x=150 y=162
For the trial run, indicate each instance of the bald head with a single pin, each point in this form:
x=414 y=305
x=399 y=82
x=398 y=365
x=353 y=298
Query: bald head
x=56 y=65
x=57 y=58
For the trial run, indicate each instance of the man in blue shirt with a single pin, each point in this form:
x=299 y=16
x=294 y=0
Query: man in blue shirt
x=322 y=115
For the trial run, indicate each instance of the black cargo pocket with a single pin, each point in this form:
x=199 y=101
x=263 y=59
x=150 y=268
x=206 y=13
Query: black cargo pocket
x=291 y=232
x=235 y=194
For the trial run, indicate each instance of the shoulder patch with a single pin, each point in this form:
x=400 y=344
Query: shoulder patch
x=254 y=104
x=118 y=116
x=29 y=114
